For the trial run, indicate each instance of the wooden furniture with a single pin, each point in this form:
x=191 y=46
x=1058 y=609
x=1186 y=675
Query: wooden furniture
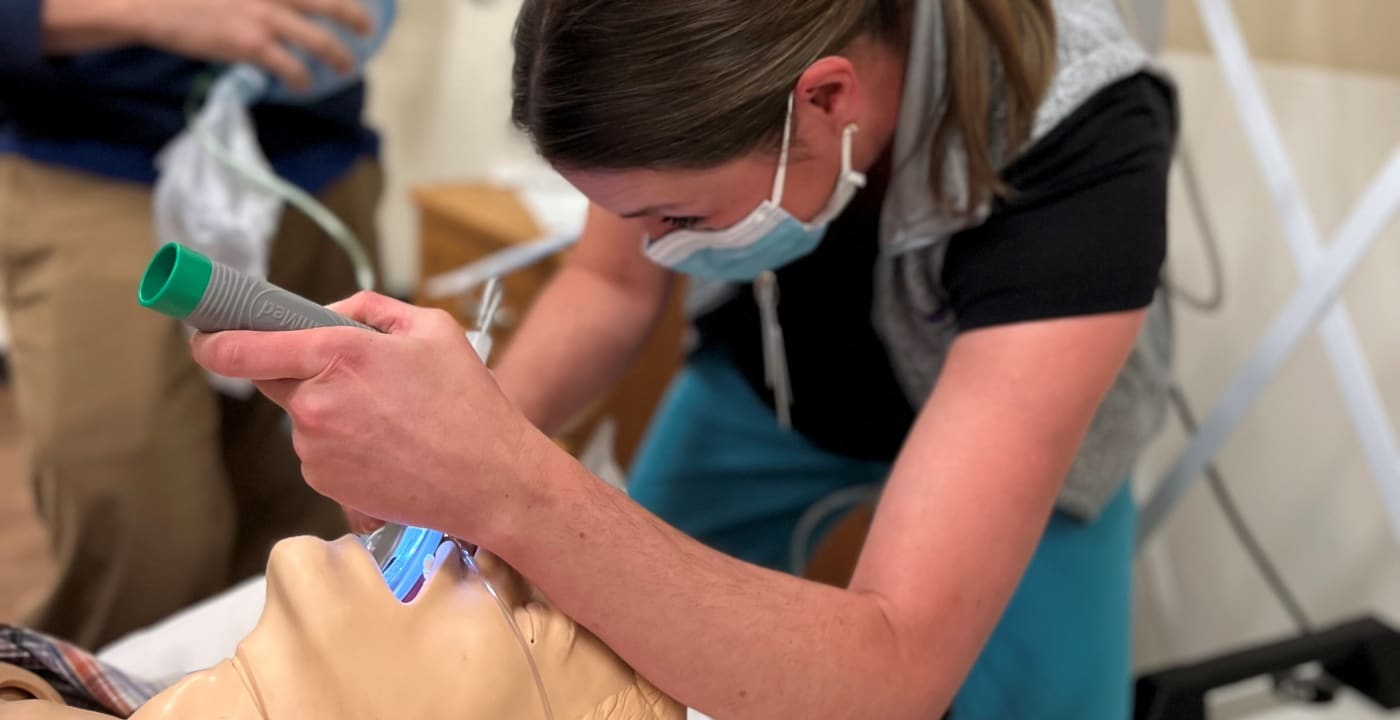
x=465 y=222
x=462 y=223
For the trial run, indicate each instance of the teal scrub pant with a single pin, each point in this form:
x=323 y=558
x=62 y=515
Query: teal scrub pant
x=716 y=465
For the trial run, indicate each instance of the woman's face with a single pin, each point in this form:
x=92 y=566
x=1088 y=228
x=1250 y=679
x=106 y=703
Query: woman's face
x=862 y=88
x=718 y=197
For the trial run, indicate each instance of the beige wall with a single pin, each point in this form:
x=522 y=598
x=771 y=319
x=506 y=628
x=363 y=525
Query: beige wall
x=440 y=92
x=1342 y=34
x=1295 y=463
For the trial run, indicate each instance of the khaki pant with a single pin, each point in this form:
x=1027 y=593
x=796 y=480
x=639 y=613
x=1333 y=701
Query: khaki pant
x=156 y=490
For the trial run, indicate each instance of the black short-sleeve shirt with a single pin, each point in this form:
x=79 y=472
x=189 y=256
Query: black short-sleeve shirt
x=1083 y=232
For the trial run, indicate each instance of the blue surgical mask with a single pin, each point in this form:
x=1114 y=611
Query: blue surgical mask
x=769 y=238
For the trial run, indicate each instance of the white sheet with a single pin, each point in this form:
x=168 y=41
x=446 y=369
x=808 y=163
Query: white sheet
x=193 y=639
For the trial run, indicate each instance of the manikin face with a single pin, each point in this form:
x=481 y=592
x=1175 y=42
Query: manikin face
x=334 y=643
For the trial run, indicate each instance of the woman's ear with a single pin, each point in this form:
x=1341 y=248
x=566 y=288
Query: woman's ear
x=829 y=93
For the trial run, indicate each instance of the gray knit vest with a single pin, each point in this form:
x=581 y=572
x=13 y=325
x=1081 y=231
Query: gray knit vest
x=1095 y=50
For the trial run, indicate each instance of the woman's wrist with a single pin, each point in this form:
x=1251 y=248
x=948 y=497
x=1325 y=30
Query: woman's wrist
x=530 y=469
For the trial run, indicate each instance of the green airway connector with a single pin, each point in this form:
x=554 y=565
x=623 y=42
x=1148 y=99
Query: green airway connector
x=175 y=281
x=212 y=297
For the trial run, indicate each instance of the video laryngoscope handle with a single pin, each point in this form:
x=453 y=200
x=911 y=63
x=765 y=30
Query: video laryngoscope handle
x=212 y=297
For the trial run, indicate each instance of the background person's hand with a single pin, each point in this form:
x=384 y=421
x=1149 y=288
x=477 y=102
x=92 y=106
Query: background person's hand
x=406 y=426
x=254 y=31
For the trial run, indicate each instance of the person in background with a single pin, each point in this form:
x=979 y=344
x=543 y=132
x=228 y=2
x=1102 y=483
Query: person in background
x=156 y=491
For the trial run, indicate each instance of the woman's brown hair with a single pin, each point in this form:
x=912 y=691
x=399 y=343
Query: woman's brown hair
x=690 y=84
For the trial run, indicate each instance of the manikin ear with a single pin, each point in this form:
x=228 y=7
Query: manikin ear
x=45 y=710
x=640 y=700
x=17 y=684
x=26 y=696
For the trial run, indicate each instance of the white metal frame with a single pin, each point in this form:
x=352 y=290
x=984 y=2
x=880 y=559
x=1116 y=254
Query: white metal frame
x=1315 y=303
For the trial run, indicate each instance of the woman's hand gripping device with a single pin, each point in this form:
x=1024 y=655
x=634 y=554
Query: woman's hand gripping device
x=212 y=297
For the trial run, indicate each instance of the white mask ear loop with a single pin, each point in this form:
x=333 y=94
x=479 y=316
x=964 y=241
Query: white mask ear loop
x=848 y=169
x=848 y=143
x=780 y=180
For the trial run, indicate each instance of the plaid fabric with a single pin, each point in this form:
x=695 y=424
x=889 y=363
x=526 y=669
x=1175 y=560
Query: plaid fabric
x=82 y=680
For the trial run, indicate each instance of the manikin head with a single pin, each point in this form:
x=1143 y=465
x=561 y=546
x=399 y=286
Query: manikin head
x=334 y=643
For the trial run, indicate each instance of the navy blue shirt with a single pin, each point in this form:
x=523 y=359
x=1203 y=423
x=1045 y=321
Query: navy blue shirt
x=110 y=112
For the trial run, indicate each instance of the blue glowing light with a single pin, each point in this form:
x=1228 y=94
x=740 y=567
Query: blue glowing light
x=402 y=566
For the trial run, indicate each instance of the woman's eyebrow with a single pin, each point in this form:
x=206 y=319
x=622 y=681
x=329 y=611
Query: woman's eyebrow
x=653 y=210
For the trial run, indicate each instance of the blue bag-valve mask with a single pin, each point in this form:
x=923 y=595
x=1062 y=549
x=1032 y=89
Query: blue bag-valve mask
x=217 y=192
x=325 y=80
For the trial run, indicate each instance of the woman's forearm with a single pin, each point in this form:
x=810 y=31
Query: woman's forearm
x=577 y=341
x=729 y=638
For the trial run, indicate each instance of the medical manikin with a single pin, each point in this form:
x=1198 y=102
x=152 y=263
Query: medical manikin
x=334 y=643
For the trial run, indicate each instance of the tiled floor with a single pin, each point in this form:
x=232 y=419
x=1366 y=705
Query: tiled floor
x=24 y=572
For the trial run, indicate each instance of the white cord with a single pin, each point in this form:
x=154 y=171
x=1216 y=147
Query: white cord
x=298 y=198
x=799 y=545
x=514 y=628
